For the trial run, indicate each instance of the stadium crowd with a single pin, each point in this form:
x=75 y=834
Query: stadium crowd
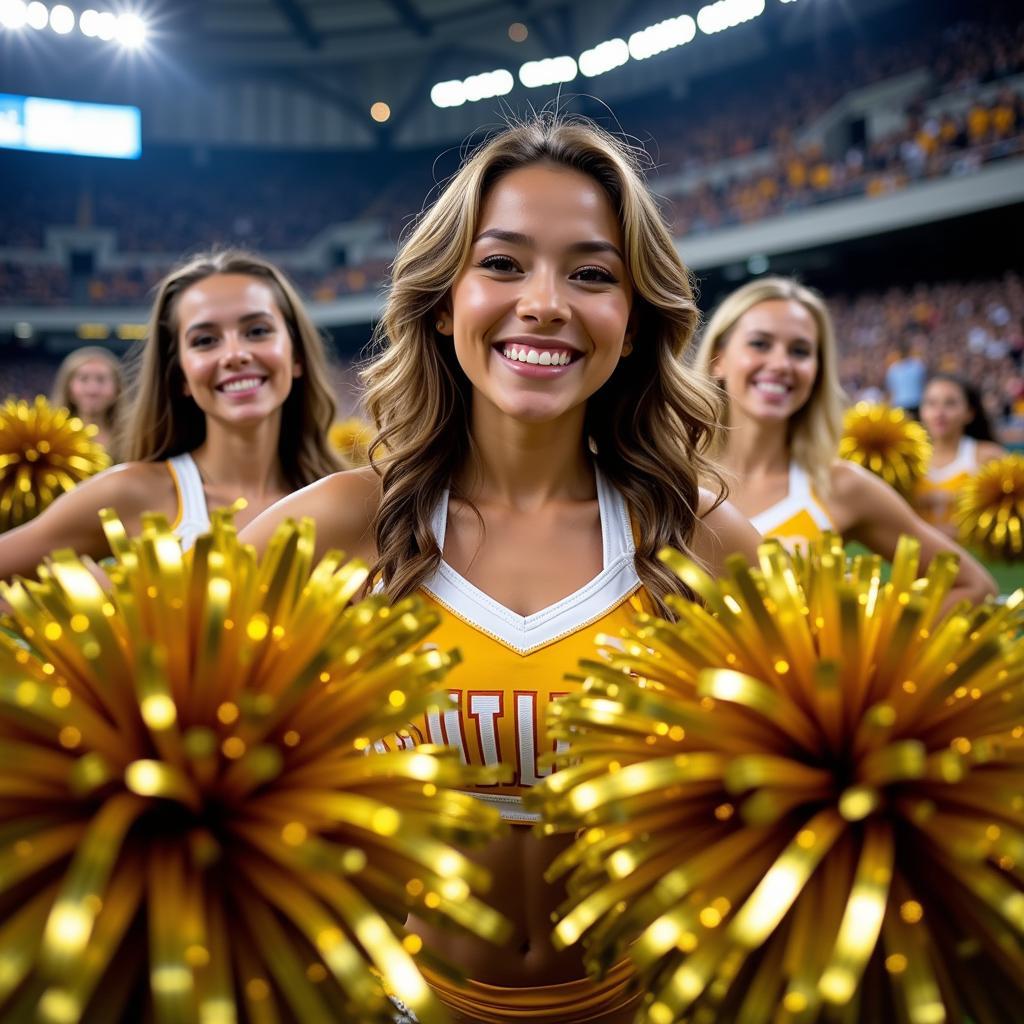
x=189 y=200
x=972 y=329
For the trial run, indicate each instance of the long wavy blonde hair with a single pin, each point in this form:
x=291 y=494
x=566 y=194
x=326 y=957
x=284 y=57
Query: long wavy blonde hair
x=648 y=426
x=815 y=429
x=61 y=394
x=163 y=421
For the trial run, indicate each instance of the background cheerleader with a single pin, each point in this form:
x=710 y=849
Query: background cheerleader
x=771 y=345
x=962 y=440
x=90 y=383
x=230 y=402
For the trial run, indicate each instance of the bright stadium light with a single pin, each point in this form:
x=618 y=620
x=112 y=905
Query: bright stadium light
x=106 y=25
x=725 y=14
x=62 y=19
x=13 y=13
x=550 y=71
x=448 y=94
x=665 y=35
x=484 y=86
x=38 y=15
x=130 y=31
x=604 y=57
x=488 y=85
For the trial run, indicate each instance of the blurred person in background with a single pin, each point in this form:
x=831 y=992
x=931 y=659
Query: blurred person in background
x=962 y=441
x=904 y=379
x=230 y=400
x=90 y=383
x=771 y=346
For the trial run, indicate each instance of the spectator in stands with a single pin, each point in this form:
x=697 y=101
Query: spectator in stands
x=904 y=380
x=230 y=401
x=90 y=383
x=771 y=346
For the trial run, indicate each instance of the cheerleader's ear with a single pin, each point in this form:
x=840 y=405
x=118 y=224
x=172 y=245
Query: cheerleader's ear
x=443 y=324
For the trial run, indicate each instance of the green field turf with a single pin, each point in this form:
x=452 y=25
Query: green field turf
x=1010 y=577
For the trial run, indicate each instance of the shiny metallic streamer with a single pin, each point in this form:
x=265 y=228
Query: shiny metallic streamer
x=193 y=824
x=887 y=442
x=44 y=451
x=803 y=800
x=351 y=440
x=990 y=511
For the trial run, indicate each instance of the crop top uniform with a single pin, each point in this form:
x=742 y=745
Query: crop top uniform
x=513 y=667
x=936 y=495
x=193 y=517
x=800 y=517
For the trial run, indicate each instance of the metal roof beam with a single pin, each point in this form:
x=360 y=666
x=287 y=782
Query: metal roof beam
x=411 y=17
x=300 y=23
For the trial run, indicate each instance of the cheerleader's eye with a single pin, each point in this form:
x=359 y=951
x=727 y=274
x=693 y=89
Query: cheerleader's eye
x=502 y=264
x=594 y=275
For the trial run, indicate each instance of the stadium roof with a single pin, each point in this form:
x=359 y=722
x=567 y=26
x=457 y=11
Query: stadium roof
x=352 y=54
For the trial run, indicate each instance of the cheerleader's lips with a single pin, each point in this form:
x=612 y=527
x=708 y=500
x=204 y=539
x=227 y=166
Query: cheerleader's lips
x=774 y=391
x=243 y=386
x=535 y=359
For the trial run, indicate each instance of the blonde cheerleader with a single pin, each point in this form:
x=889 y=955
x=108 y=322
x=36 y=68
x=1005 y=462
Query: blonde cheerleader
x=772 y=348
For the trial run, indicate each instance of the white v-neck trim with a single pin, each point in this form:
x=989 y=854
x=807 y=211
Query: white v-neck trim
x=525 y=633
x=965 y=461
x=799 y=498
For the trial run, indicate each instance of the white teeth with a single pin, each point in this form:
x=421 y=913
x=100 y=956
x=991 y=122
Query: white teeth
x=772 y=387
x=242 y=385
x=536 y=358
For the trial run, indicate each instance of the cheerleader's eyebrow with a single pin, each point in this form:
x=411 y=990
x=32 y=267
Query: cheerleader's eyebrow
x=516 y=238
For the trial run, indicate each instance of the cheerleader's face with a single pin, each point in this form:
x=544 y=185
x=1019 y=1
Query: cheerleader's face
x=93 y=388
x=769 y=362
x=945 y=411
x=540 y=312
x=234 y=348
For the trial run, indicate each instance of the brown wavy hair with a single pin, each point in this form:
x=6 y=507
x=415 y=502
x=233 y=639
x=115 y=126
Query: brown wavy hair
x=648 y=426
x=163 y=421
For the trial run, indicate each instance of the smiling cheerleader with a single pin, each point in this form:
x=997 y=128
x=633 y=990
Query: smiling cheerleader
x=543 y=442
x=772 y=348
x=231 y=401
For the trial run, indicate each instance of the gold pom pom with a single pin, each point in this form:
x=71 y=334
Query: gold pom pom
x=43 y=453
x=802 y=801
x=191 y=828
x=990 y=511
x=351 y=439
x=887 y=442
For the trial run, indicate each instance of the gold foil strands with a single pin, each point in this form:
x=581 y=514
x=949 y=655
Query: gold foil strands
x=803 y=801
x=44 y=451
x=190 y=757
